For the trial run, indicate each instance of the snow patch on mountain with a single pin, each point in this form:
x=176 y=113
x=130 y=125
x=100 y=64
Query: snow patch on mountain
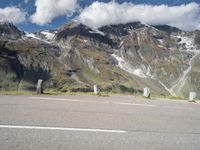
x=48 y=35
x=161 y=43
x=188 y=42
x=128 y=68
x=31 y=35
x=97 y=32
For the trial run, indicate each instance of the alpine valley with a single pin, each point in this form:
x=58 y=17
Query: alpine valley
x=122 y=58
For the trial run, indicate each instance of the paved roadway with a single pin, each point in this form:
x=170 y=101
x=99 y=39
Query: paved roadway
x=97 y=123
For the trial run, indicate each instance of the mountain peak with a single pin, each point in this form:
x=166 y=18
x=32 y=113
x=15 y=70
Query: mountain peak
x=10 y=31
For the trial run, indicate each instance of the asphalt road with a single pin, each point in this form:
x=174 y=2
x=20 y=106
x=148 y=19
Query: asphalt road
x=97 y=123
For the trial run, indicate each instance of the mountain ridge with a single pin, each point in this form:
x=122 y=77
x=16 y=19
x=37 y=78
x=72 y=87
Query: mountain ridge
x=120 y=58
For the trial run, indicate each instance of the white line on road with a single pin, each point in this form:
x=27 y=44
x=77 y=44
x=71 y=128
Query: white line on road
x=61 y=129
x=69 y=100
x=132 y=104
x=174 y=107
x=106 y=102
x=147 y=105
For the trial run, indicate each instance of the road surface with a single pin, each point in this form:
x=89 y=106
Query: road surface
x=97 y=123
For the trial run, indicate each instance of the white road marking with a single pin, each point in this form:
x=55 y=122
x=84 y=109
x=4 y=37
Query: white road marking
x=146 y=105
x=61 y=129
x=106 y=102
x=133 y=104
x=174 y=107
x=69 y=100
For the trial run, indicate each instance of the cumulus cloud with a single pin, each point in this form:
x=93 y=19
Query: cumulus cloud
x=186 y=16
x=12 y=14
x=47 y=10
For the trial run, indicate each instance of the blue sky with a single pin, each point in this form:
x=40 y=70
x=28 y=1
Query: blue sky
x=29 y=7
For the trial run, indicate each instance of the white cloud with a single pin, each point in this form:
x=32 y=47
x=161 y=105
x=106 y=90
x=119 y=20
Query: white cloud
x=98 y=14
x=12 y=14
x=47 y=10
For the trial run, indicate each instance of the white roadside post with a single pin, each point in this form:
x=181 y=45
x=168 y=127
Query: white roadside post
x=96 y=89
x=146 y=92
x=39 y=89
x=192 y=96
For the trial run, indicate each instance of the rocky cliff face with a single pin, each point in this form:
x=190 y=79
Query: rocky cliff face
x=120 y=58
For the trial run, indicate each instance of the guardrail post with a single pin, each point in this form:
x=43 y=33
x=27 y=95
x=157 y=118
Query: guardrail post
x=96 y=89
x=146 y=92
x=39 y=88
x=192 y=96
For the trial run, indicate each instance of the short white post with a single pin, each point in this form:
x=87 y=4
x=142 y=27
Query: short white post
x=39 y=88
x=192 y=96
x=96 y=89
x=146 y=92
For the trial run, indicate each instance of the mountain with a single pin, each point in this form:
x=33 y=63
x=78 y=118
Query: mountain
x=119 y=58
x=9 y=31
